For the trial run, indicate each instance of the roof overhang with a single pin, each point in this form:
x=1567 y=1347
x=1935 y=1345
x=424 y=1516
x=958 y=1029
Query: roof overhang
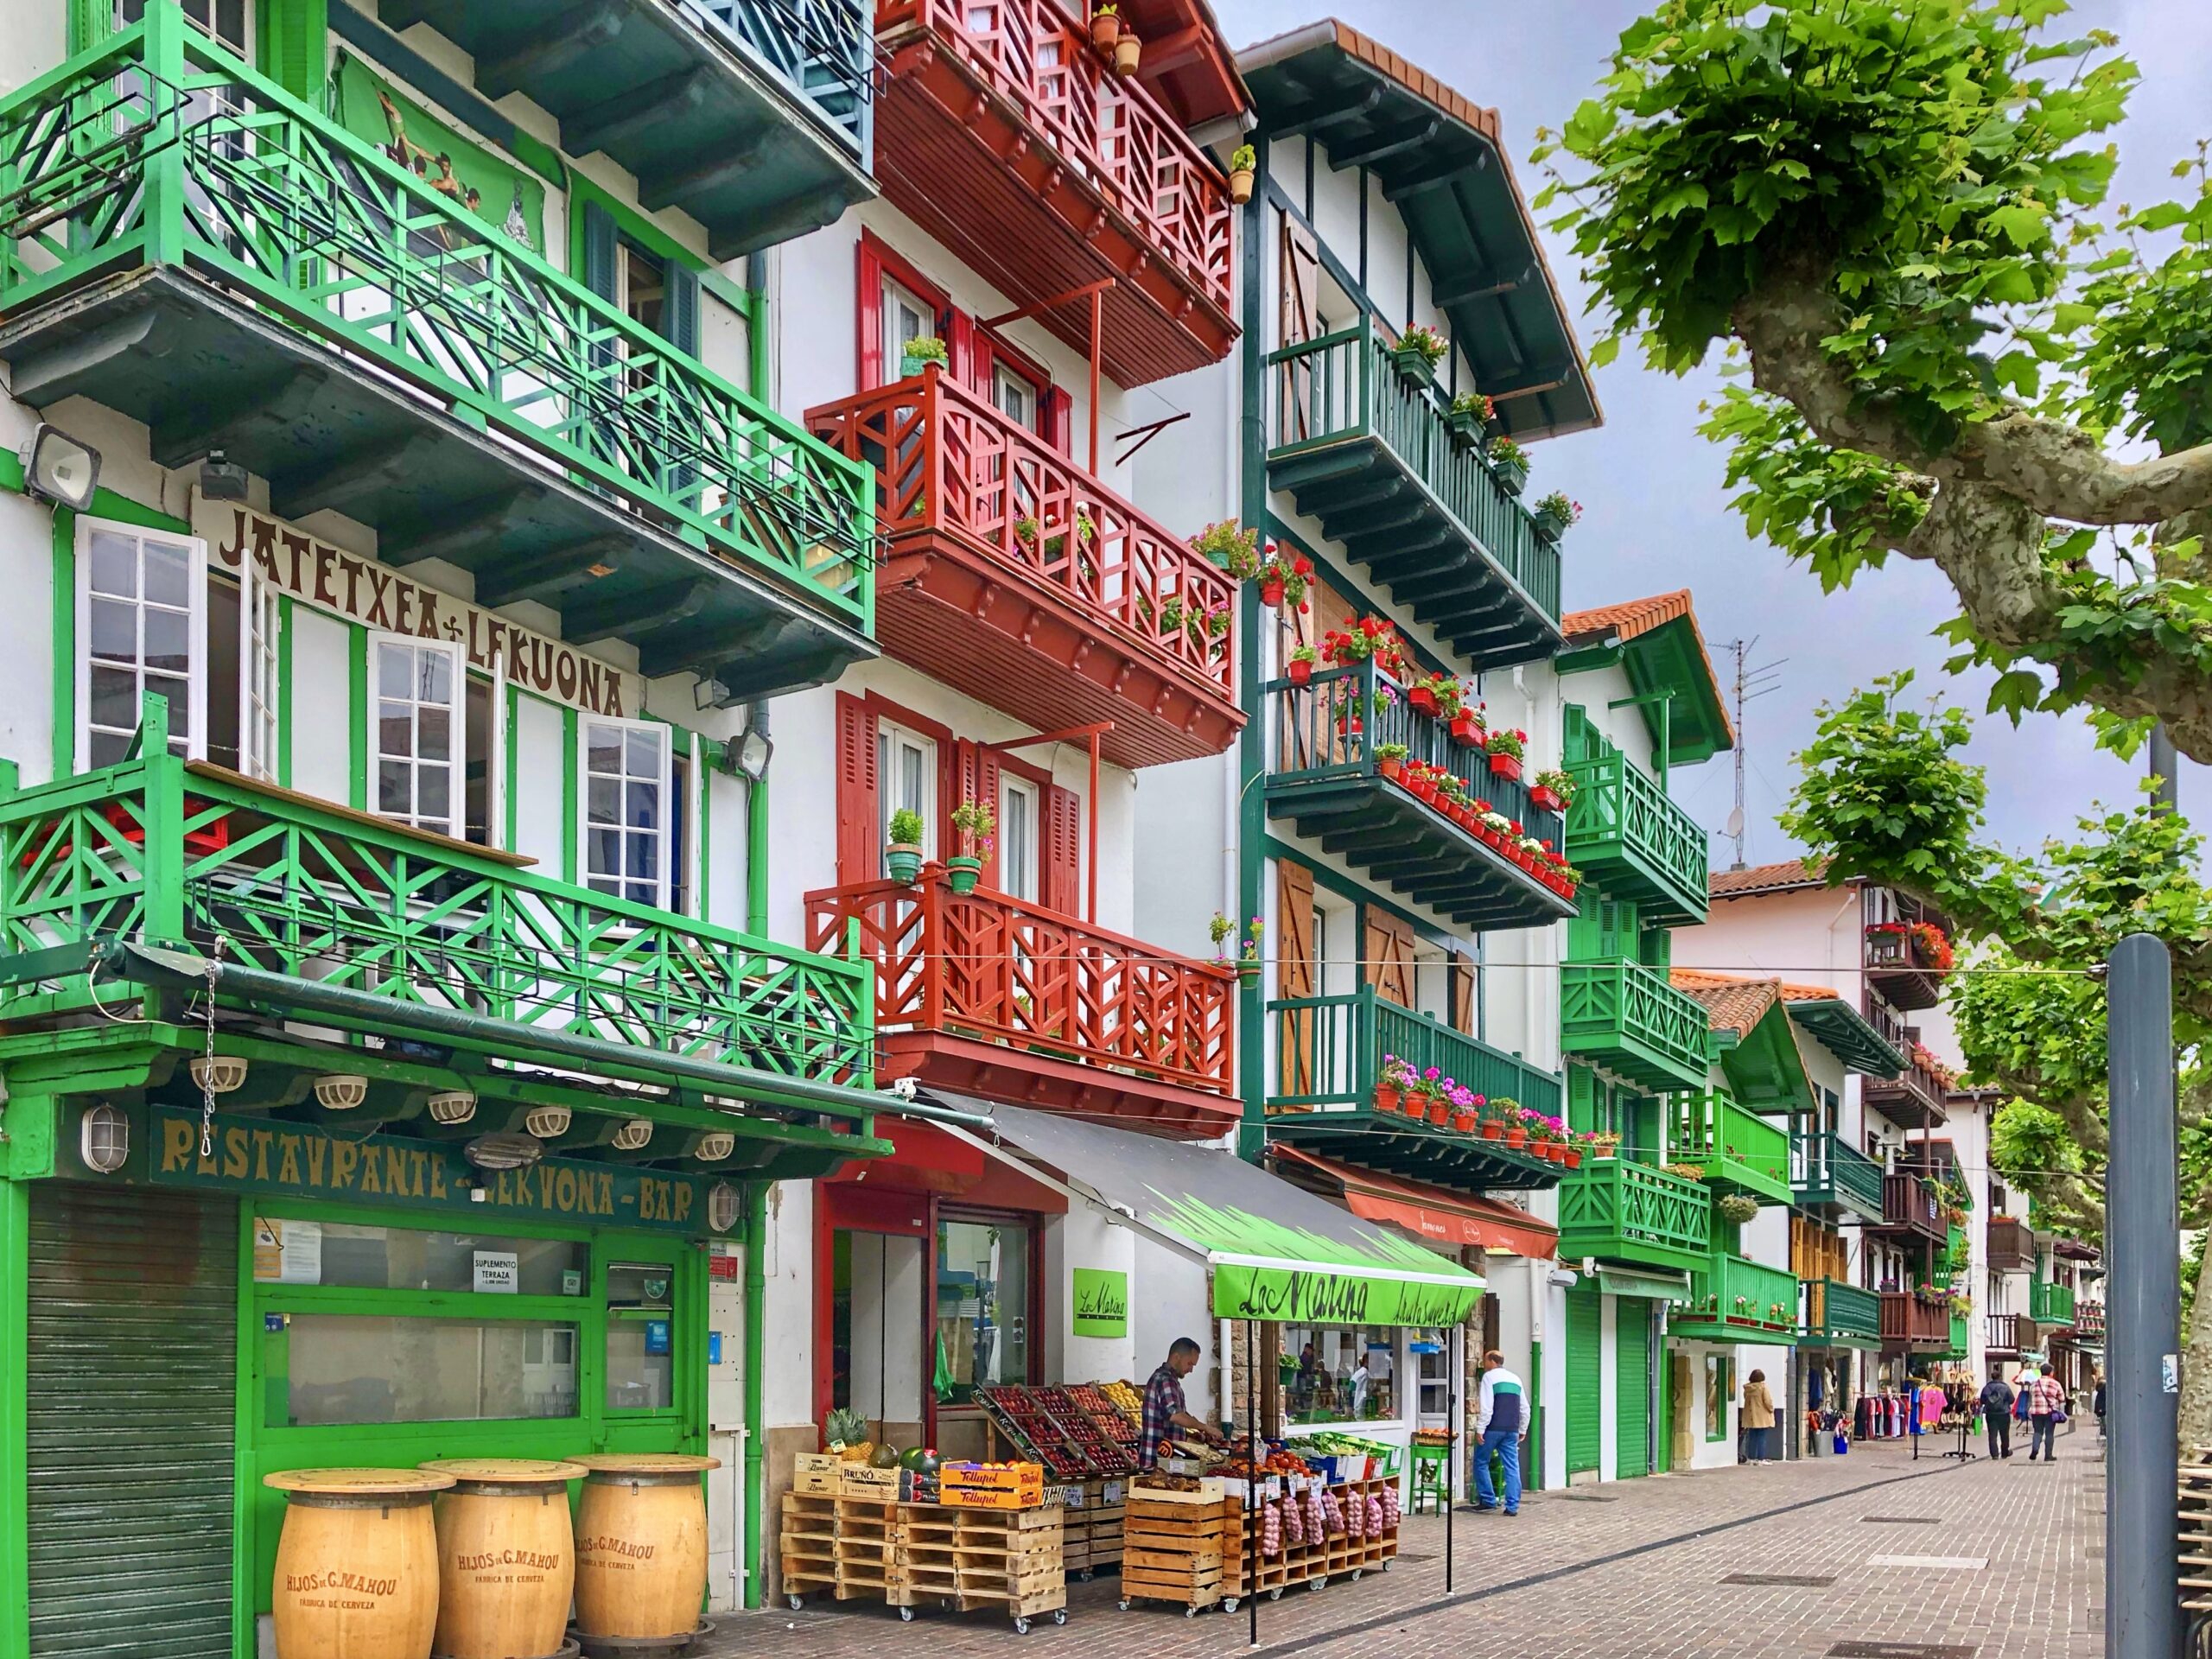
x=1438 y=160
x=1845 y=1032
x=1441 y=1217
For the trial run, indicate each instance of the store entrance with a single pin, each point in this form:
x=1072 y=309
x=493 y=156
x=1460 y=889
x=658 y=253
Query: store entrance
x=876 y=1309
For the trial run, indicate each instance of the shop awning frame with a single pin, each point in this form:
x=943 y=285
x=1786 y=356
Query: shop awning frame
x=1429 y=1211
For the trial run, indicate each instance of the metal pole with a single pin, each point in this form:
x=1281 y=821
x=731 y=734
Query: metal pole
x=1454 y=1418
x=1252 y=1444
x=2143 y=1317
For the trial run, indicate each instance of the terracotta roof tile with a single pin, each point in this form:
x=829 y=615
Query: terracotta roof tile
x=1789 y=874
x=1638 y=616
x=1791 y=993
x=1414 y=79
x=1730 y=1003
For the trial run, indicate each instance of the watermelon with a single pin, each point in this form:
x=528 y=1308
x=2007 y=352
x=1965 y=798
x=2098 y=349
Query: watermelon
x=921 y=1459
x=885 y=1456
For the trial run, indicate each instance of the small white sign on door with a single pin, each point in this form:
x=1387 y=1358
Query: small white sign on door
x=495 y=1271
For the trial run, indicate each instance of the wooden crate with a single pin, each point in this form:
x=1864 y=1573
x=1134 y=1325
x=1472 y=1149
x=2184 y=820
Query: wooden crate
x=1180 y=1553
x=911 y=1556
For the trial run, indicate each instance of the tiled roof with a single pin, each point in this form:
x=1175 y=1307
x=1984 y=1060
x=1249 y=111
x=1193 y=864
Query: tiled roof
x=1730 y=1003
x=1784 y=877
x=1381 y=58
x=1636 y=616
x=1792 y=992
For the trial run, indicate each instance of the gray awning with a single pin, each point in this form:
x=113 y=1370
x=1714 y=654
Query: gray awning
x=1657 y=1287
x=1276 y=1251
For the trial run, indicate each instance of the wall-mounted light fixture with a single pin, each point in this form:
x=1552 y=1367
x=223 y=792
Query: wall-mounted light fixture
x=60 y=467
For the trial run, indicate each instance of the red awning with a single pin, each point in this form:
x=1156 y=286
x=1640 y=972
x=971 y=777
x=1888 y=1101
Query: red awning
x=1432 y=1213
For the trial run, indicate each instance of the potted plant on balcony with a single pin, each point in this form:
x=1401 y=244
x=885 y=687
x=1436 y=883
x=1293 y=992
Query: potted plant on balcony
x=1229 y=548
x=1391 y=761
x=1241 y=163
x=1931 y=945
x=1467 y=419
x=1106 y=25
x=1299 y=670
x=1553 y=791
x=1422 y=694
x=1737 y=1207
x=1510 y=462
x=1466 y=1110
x=1517 y=1128
x=977 y=823
x=1505 y=746
x=1555 y=515
x=902 y=857
x=1248 y=957
x=1392 y=1083
x=1603 y=1143
x=1415 y=356
x=1684 y=1172
x=1128 y=53
x=1470 y=723
x=1283 y=582
x=919 y=353
x=1886 y=944
x=1218 y=930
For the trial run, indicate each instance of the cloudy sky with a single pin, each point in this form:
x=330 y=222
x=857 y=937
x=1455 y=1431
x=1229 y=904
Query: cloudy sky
x=1655 y=515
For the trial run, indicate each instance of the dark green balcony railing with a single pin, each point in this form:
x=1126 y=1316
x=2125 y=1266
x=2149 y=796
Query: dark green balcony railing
x=1838 y=1315
x=1626 y=1017
x=1626 y=834
x=1741 y=1150
x=1455 y=546
x=2050 y=1304
x=159 y=150
x=1733 y=1300
x=1621 y=1211
x=1324 y=774
x=169 y=852
x=1829 y=1172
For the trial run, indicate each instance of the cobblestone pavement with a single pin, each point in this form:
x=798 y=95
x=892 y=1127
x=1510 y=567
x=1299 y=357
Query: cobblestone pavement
x=1632 y=1570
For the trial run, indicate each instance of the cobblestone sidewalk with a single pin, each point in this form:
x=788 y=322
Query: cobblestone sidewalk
x=1994 y=1561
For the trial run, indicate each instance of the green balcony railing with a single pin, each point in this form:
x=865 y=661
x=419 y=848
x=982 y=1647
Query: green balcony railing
x=2050 y=1304
x=1340 y=391
x=1329 y=1049
x=1741 y=1150
x=1837 y=1315
x=1627 y=1017
x=1826 y=1169
x=1733 y=1300
x=1621 y=1211
x=1626 y=833
x=167 y=852
x=159 y=150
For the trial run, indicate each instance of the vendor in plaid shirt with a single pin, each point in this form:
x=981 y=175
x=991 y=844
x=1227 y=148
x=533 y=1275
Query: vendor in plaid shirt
x=1163 y=1404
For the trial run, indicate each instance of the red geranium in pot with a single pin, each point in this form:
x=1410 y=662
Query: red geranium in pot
x=1505 y=748
x=1467 y=727
x=1299 y=668
x=1391 y=761
x=1553 y=791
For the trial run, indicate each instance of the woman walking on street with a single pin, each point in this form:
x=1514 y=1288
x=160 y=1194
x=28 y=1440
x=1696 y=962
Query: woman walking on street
x=2046 y=1410
x=1996 y=1415
x=1758 y=1419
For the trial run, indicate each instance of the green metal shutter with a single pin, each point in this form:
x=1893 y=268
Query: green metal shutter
x=1632 y=1385
x=132 y=1408
x=1584 y=1389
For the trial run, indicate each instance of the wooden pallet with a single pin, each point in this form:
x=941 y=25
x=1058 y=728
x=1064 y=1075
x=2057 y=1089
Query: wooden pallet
x=910 y=1555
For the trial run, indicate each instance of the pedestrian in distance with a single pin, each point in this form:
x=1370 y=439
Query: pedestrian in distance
x=1501 y=1424
x=1996 y=1415
x=2046 y=1410
x=1758 y=1419
x=2097 y=1403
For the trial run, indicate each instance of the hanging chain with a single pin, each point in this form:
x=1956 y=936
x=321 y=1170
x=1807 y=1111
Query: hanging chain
x=207 y=1069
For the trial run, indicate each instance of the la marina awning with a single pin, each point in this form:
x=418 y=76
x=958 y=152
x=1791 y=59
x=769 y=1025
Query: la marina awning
x=1446 y=1218
x=1276 y=1252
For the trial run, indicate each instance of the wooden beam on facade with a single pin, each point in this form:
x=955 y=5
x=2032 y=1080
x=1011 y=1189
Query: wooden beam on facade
x=559 y=43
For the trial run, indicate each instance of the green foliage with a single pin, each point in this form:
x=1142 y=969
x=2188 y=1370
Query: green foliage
x=2146 y=363
x=906 y=828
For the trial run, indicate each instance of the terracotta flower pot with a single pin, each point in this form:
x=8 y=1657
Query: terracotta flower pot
x=1463 y=1123
x=1546 y=799
x=1300 y=672
x=1492 y=1130
x=1422 y=699
x=1240 y=185
x=1507 y=766
x=1575 y=1157
x=1386 y=1098
x=1129 y=52
x=1105 y=30
x=1271 y=592
x=1516 y=1137
x=1440 y=1112
x=1389 y=765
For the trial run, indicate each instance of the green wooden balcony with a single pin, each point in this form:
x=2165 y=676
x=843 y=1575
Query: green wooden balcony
x=320 y=914
x=1626 y=834
x=1837 y=1315
x=1741 y=1150
x=1831 y=1175
x=754 y=117
x=1372 y=459
x=234 y=271
x=1325 y=778
x=1733 y=1300
x=2049 y=1304
x=1627 y=1018
x=1620 y=1211
x=1327 y=1052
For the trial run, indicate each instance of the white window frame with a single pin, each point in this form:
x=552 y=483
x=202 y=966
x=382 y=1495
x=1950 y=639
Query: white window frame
x=456 y=764
x=239 y=49
x=261 y=669
x=195 y=739
x=1004 y=374
x=586 y=724
x=899 y=299
x=1021 y=879
x=495 y=782
x=890 y=735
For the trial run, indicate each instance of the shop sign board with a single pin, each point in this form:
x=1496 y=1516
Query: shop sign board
x=1337 y=1295
x=496 y=1271
x=300 y=1161
x=1102 y=1302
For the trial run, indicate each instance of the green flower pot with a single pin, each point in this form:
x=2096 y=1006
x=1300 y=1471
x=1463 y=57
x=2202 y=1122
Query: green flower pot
x=1512 y=474
x=903 y=862
x=963 y=873
x=1414 y=367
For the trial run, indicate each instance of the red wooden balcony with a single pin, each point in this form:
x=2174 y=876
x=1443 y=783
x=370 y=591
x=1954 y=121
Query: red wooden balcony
x=2010 y=1333
x=1908 y=1322
x=982 y=994
x=1004 y=134
x=1916 y=1098
x=1910 y=1205
x=1015 y=576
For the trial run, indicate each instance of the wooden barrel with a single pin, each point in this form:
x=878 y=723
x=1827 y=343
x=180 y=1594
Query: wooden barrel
x=641 y=1546
x=506 y=1557
x=356 y=1567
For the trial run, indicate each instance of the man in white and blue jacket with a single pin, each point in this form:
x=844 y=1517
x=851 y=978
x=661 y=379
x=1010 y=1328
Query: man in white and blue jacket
x=1501 y=1424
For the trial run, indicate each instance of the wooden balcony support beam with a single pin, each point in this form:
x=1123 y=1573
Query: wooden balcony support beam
x=562 y=41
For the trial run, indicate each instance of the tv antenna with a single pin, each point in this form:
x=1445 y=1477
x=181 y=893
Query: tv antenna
x=1751 y=684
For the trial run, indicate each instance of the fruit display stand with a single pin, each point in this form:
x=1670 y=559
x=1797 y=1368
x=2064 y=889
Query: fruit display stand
x=1095 y=1511
x=1203 y=1549
x=1179 y=1547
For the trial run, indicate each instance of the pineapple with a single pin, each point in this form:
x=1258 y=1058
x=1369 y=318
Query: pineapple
x=846 y=1430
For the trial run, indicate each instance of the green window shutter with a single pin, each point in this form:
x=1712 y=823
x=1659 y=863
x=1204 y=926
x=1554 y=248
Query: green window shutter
x=1585 y=1379
x=1633 y=1386
x=1574 y=734
x=680 y=308
x=292 y=46
x=1656 y=948
x=1582 y=1088
x=91 y=22
x=600 y=250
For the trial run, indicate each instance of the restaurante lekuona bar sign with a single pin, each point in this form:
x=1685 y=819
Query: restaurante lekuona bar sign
x=361 y=590
x=299 y=1160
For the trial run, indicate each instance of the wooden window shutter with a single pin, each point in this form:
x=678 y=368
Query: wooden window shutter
x=1295 y=976
x=859 y=859
x=960 y=353
x=986 y=792
x=679 y=315
x=1390 y=956
x=1059 y=419
x=875 y=371
x=1063 y=845
x=1299 y=278
x=1574 y=733
x=1462 y=972
x=600 y=250
x=1581 y=1099
x=292 y=51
